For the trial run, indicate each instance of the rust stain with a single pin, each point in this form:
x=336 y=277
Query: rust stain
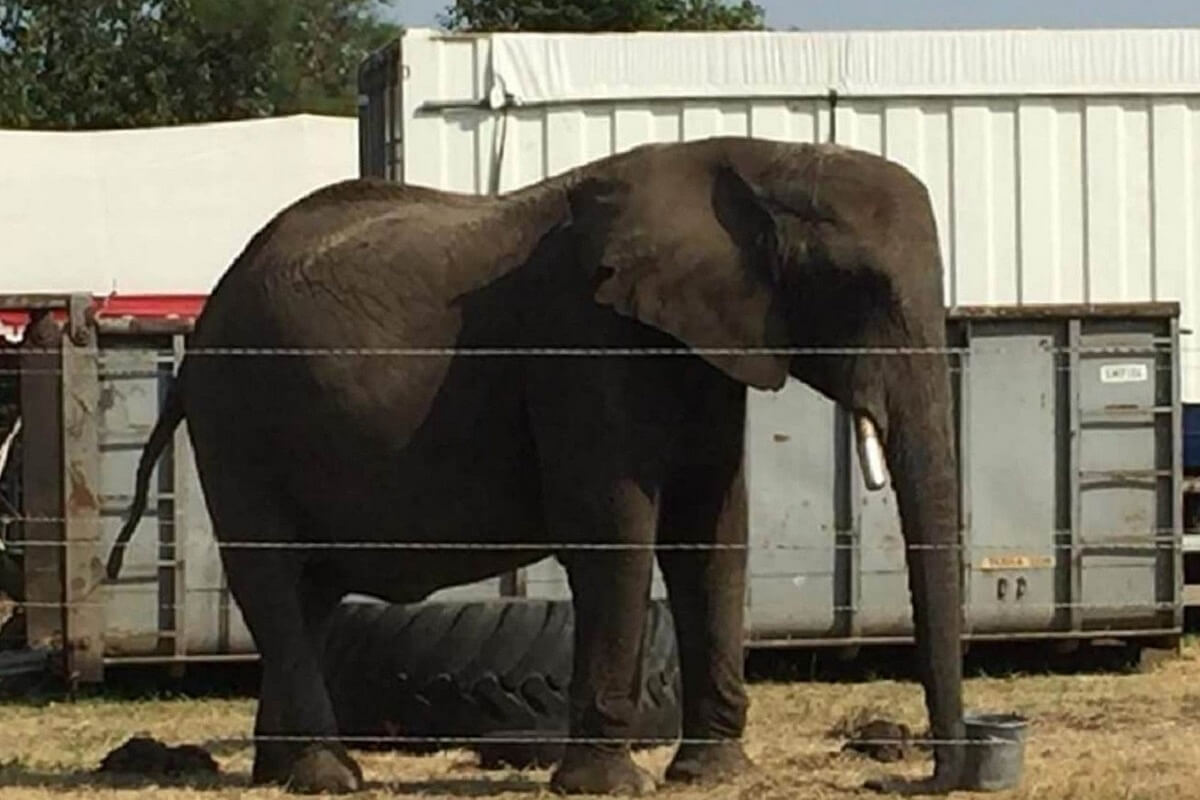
x=1135 y=518
x=81 y=498
x=1061 y=310
x=79 y=418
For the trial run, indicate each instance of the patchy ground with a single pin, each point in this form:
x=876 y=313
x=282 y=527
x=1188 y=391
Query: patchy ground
x=1094 y=737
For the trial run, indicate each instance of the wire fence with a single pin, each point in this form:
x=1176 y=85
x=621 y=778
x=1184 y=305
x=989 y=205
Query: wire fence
x=1045 y=555
x=1017 y=605
x=960 y=363
x=451 y=741
x=1155 y=345
x=146 y=372
x=1167 y=538
x=1148 y=540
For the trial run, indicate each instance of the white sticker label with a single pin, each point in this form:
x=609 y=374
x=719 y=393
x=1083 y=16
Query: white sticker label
x=1123 y=373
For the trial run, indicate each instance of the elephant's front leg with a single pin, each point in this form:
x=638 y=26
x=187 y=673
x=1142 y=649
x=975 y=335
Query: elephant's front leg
x=611 y=591
x=704 y=506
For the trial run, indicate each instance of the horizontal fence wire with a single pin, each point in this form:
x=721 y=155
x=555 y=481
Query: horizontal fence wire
x=1159 y=348
x=634 y=546
x=1016 y=605
x=963 y=366
x=566 y=740
x=1145 y=538
x=966 y=354
x=148 y=372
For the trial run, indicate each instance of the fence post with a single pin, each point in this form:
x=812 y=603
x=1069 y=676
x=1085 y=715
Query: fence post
x=41 y=532
x=83 y=571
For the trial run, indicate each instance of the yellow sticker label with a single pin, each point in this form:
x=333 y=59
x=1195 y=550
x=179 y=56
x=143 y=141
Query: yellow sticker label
x=1017 y=562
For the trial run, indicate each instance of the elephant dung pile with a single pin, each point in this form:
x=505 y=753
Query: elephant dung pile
x=877 y=738
x=146 y=756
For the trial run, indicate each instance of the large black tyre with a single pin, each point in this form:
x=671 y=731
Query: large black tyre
x=496 y=669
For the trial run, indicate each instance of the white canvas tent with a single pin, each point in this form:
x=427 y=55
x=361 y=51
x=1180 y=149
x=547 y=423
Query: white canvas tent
x=154 y=210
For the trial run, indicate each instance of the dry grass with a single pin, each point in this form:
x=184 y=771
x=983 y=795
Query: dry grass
x=1093 y=737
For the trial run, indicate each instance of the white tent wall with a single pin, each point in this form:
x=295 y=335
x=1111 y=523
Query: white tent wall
x=1064 y=166
x=154 y=210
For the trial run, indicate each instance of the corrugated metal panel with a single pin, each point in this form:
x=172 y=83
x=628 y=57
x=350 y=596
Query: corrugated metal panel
x=1087 y=197
x=1054 y=200
x=130 y=386
x=551 y=68
x=140 y=612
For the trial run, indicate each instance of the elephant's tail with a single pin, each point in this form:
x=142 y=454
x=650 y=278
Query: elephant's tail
x=168 y=419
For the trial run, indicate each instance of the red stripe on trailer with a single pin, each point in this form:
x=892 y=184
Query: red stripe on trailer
x=160 y=306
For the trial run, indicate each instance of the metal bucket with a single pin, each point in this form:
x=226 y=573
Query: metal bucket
x=996 y=751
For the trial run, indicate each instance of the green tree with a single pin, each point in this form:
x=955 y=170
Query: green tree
x=122 y=63
x=602 y=15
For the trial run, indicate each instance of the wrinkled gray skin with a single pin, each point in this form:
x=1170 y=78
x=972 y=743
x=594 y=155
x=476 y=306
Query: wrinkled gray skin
x=724 y=243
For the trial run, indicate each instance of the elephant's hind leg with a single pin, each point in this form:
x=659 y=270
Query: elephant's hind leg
x=296 y=732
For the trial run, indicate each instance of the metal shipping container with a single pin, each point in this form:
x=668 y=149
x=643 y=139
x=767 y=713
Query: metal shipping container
x=1068 y=429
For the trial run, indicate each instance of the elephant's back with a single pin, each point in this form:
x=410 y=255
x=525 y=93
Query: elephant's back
x=330 y=317
x=372 y=264
x=333 y=335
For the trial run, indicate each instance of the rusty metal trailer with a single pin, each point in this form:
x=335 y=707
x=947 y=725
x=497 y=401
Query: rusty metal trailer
x=1068 y=420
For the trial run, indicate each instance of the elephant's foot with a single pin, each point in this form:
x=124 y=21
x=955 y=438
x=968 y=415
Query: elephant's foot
x=318 y=769
x=708 y=763
x=947 y=777
x=592 y=770
x=272 y=763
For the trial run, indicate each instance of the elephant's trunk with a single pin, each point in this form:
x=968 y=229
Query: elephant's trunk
x=921 y=456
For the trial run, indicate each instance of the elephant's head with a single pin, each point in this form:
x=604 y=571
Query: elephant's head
x=735 y=245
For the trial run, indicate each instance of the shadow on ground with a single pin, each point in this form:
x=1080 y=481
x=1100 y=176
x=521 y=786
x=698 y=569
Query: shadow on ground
x=201 y=681
x=1001 y=659
x=17 y=776
x=464 y=787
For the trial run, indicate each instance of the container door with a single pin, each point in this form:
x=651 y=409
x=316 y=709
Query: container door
x=1125 y=512
x=882 y=600
x=791 y=462
x=1010 y=406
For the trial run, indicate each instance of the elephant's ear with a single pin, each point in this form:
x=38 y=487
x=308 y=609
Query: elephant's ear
x=690 y=252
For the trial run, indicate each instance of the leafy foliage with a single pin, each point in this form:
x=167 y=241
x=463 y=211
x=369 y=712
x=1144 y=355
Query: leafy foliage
x=124 y=63
x=602 y=15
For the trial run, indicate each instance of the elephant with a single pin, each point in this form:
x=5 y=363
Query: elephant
x=395 y=389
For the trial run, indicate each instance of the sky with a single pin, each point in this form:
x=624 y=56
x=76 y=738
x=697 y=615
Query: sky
x=850 y=14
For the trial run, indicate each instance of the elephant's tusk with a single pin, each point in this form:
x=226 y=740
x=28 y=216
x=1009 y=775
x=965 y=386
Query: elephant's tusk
x=870 y=453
